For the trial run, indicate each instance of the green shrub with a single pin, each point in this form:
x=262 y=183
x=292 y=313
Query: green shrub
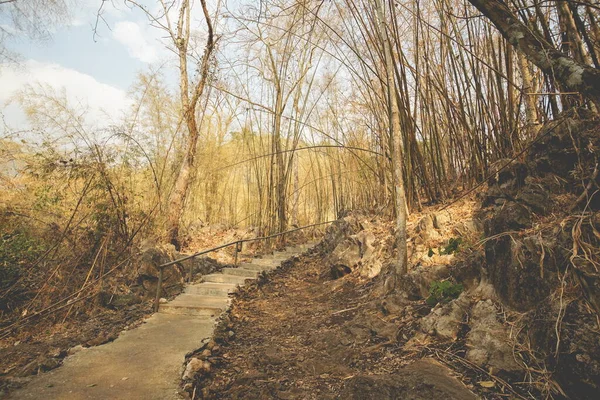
x=452 y=246
x=443 y=292
x=17 y=250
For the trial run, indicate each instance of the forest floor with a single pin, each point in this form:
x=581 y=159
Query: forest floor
x=302 y=335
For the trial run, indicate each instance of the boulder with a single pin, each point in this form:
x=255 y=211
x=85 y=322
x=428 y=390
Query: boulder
x=119 y=301
x=423 y=380
x=535 y=197
x=555 y=151
x=470 y=226
x=193 y=366
x=148 y=262
x=445 y=320
x=426 y=229
x=441 y=219
x=418 y=281
x=514 y=266
x=337 y=232
x=357 y=252
x=507 y=174
x=512 y=216
x=488 y=340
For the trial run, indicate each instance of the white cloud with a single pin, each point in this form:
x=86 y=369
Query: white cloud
x=104 y=103
x=133 y=37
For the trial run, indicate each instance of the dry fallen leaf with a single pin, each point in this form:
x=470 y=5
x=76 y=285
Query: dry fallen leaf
x=487 y=384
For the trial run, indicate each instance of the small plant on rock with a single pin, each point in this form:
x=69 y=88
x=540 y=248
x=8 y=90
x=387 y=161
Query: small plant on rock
x=443 y=292
x=452 y=246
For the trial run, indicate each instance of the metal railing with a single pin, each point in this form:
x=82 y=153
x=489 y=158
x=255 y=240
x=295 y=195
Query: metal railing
x=238 y=247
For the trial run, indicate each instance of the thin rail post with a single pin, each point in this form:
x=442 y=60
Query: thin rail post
x=238 y=248
x=158 y=289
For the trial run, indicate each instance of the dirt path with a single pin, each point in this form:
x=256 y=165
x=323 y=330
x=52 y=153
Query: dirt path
x=303 y=336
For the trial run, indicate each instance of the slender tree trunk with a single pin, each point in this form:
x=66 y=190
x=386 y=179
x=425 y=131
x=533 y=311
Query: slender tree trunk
x=531 y=116
x=396 y=147
x=189 y=102
x=296 y=187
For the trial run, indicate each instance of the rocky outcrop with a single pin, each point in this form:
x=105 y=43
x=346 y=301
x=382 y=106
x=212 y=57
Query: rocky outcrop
x=423 y=380
x=149 y=260
x=337 y=232
x=541 y=257
x=446 y=320
x=524 y=267
x=487 y=340
x=426 y=229
x=357 y=252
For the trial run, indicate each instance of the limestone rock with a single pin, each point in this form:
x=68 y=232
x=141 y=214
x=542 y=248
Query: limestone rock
x=470 y=226
x=488 y=340
x=75 y=349
x=148 y=262
x=418 y=280
x=535 y=197
x=192 y=368
x=508 y=174
x=422 y=380
x=337 y=232
x=356 y=252
x=426 y=229
x=512 y=216
x=445 y=320
x=514 y=268
x=441 y=219
x=122 y=300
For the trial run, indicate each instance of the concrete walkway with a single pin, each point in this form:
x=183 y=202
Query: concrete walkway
x=146 y=363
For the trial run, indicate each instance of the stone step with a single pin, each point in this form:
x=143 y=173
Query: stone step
x=211 y=289
x=221 y=278
x=281 y=256
x=264 y=264
x=241 y=272
x=301 y=248
x=296 y=250
x=191 y=304
x=257 y=267
x=266 y=261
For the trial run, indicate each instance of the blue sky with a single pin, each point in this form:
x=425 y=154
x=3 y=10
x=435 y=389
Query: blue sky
x=96 y=72
x=74 y=47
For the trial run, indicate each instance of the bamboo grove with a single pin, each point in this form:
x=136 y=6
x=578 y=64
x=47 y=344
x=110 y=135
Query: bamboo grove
x=280 y=116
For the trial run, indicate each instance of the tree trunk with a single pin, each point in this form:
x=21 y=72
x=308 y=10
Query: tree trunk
x=189 y=102
x=396 y=147
x=531 y=115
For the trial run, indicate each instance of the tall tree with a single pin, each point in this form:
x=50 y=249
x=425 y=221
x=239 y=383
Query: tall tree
x=180 y=34
x=396 y=146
